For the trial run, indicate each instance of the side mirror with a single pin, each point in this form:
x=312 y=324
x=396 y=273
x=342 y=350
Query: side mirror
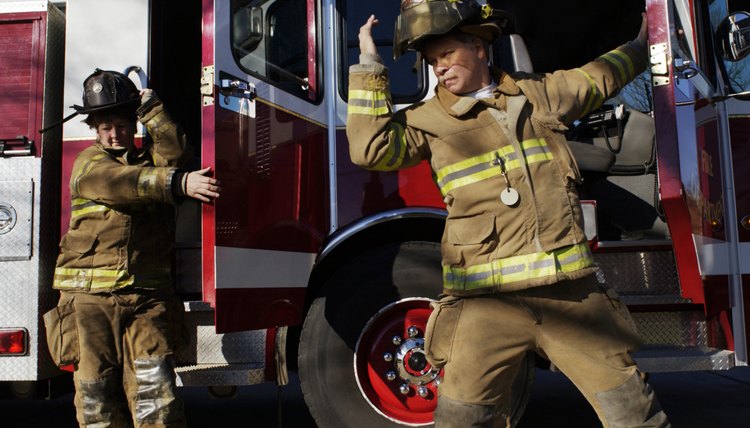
x=247 y=28
x=733 y=36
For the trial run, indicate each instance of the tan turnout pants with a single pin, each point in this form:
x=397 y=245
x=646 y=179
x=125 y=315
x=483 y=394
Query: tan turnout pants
x=580 y=326
x=123 y=343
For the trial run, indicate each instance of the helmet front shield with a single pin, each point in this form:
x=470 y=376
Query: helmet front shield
x=425 y=19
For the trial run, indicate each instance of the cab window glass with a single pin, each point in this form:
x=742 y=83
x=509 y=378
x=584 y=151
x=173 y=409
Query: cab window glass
x=270 y=41
x=708 y=15
x=406 y=76
x=637 y=94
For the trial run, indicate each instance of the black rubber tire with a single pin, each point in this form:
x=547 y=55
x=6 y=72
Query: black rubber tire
x=352 y=295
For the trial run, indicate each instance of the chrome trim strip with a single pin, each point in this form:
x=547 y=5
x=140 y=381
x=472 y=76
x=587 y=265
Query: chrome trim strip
x=367 y=222
x=330 y=71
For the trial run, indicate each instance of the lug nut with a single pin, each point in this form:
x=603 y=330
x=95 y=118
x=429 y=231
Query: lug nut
x=388 y=357
x=391 y=375
x=403 y=389
x=422 y=391
x=412 y=331
x=396 y=340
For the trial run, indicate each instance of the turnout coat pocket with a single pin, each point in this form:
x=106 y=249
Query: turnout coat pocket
x=62 y=334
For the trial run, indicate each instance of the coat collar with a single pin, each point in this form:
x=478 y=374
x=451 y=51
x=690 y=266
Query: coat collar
x=457 y=105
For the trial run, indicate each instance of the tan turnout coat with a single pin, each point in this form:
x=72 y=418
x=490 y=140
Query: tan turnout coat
x=121 y=223
x=488 y=246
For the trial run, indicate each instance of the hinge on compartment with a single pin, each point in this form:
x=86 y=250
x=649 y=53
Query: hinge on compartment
x=207 y=85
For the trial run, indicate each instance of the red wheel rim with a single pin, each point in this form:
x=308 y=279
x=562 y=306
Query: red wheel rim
x=414 y=405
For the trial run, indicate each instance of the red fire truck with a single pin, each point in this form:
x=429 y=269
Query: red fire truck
x=310 y=264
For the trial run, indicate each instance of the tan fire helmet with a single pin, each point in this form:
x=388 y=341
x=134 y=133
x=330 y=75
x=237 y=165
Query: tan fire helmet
x=422 y=18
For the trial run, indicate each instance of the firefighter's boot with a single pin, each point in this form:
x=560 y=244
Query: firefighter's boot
x=632 y=404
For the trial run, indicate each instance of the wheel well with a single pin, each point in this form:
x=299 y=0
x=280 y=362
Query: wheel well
x=428 y=229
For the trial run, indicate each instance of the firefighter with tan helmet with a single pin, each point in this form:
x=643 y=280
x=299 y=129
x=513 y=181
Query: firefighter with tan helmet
x=518 y=275
x=119 y=320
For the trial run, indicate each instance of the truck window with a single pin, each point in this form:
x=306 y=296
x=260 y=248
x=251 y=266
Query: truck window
x=708 y=15
x=637 y=94
x=407 y=78
x=269 y=41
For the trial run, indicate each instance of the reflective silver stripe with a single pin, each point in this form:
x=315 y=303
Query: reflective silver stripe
x=484 y=166
x=376 y=104
x=96 y=279
x=528 y=267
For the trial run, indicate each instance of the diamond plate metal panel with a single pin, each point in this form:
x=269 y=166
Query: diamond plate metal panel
x=672 y=328
x=22 y=6
x=216 y=375
x=16 y=204
x=208 y=347
x=679 y=359
x=643 y=273
x=25 y=287
x=212 y=359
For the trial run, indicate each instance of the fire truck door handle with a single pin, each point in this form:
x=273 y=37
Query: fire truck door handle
x=237 y=88
x=685 y=68
x=142 y=78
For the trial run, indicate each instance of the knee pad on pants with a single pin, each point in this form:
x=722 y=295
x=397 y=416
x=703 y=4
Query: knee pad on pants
x=632 y=404
x=456 y=414
x=155 y=399
x=101 y=402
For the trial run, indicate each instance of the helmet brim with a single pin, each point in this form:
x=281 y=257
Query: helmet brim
x=83 y=110
x=437 y=18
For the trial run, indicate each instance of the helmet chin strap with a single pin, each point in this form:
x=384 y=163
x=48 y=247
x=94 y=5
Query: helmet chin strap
x=58 y=123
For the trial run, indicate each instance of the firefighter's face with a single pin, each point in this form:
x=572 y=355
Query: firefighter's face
x=460 y=66
x=116 y=132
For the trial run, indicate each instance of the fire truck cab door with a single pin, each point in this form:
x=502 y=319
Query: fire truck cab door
x=705 y=169
x=264 y=133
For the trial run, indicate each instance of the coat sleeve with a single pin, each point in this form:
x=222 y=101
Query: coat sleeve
x=170 y=146
x=98 y=176
x=572 y=94
x=379 y=140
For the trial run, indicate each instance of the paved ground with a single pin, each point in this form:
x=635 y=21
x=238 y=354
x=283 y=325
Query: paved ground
x=692 y=400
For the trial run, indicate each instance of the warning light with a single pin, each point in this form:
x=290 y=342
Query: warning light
x=13 y=341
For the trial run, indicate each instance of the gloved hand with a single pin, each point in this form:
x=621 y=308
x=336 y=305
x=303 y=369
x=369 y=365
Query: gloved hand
x=147 y=94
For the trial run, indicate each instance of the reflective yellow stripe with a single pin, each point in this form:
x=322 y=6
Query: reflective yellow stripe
x=617 y=58
x=527 y=267
x=370 y=103
x=98 y=279
x=80 y=206
x=397 y=148
x=84 y=169
x=485 y=166
x=595 y=97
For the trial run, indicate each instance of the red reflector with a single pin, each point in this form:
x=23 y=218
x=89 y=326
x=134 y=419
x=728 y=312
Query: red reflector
x=13 y=342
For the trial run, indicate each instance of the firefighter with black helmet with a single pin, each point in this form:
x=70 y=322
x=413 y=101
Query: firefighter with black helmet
x=518 y=275
x=119 y=320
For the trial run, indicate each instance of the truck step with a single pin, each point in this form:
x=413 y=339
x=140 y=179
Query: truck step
x=220 y=374
x=680 y=359
x=640 y=273
x=686 y=328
